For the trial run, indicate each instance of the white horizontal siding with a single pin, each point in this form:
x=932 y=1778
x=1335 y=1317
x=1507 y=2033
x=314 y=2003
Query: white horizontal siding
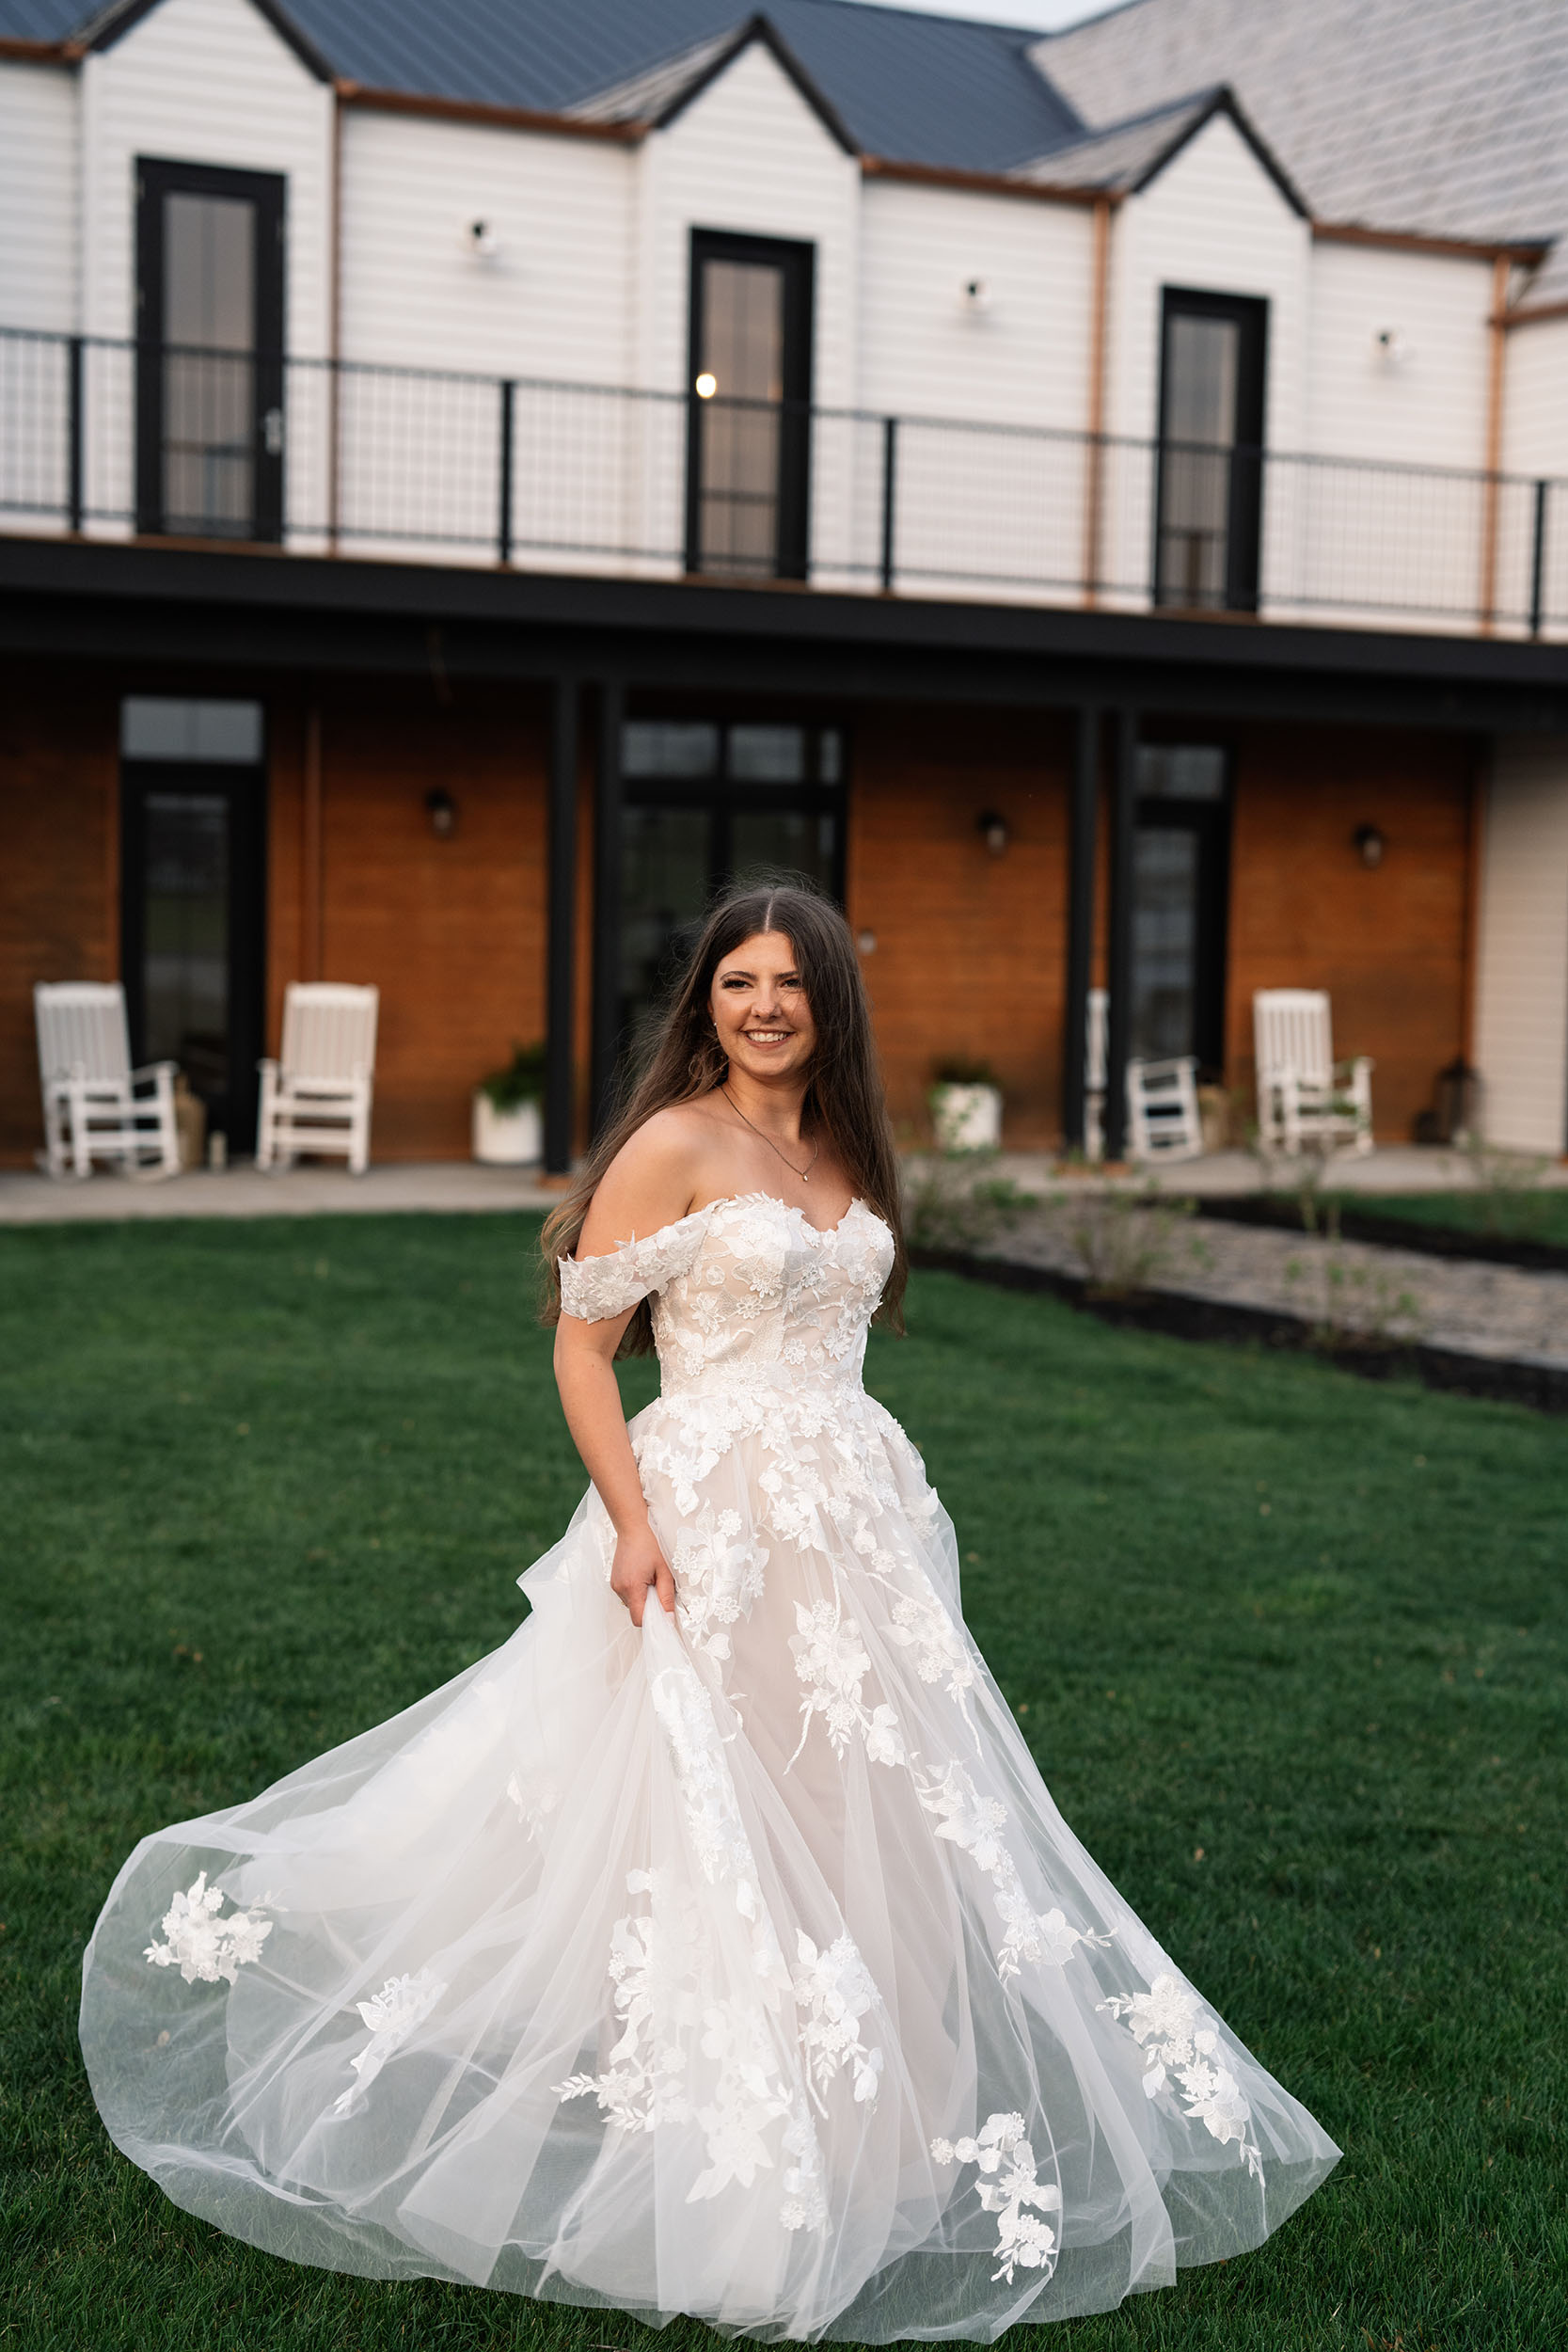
x=1521 y=1026
x=1427 y=405
x=749 y=155
x=1213 y=221
x=203 y=82
x=980 y=509
x=553 y=298
x=1535 y=448
x=38 y=197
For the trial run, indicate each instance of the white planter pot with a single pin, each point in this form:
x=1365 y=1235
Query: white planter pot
x=967 y=1118
x=507 y=1138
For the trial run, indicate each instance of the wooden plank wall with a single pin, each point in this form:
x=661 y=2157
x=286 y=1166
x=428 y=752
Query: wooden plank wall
x=971 y=947
x=1389 y=943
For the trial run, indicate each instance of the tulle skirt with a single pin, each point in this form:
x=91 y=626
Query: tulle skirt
x=740 y=1966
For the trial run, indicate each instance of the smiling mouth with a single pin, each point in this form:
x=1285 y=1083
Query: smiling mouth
x=767 y=1037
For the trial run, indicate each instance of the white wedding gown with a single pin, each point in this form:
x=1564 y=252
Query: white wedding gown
x=741 y=1966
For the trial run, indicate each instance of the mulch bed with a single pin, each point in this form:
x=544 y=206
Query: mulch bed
x=1178 y=1315
x=1281 y=1215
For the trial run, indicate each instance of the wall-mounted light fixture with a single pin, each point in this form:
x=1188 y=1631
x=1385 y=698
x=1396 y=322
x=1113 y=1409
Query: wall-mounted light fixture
x=993 y=830
x=705 y=386
x=1371 y=843
x=1392 y=345
x=974 y=296
x=481 y=238
x=442 y=811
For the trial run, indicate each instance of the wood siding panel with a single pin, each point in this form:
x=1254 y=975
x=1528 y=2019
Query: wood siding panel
x=1522 y=966
x=59 y=803
x=203 y=82
x=555 y=297
x=1212 y=220
x=971 y=947
x=38 y=197
x=1388 y=945
x=751 y=156
x=452 y=932
x=1427 y=407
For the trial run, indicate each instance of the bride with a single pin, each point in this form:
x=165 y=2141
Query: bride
x=714 y=1945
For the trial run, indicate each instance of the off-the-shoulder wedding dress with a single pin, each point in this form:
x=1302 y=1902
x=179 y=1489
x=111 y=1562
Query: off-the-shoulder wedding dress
x=739 y=1967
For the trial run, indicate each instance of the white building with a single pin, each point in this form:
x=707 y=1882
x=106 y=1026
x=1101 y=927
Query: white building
x=799 y=383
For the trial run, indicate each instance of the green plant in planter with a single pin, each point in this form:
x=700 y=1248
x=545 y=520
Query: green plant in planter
x=958 y=1072
x=521 y=1081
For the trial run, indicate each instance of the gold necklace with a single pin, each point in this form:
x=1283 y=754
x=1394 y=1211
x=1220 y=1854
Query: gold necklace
x=804 y=1173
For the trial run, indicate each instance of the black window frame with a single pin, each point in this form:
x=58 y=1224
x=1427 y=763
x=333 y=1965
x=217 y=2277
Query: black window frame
x=243 y=786
x=796 y=261
x=1212 y=821
x=157 y=177
x=1244 y=507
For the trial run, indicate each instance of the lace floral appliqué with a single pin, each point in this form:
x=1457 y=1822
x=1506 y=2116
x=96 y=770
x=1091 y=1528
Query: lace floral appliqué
x=201 y=1945
x=831 y=1659
x=392 y=2014
x=974 y=1823
x=1165 y=2022
x=1023 y=2239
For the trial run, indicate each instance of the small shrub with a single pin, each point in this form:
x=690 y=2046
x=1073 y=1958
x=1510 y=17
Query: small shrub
x=951 y=1204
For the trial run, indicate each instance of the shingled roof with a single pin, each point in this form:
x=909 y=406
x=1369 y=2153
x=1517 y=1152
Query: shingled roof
x=1439 y=117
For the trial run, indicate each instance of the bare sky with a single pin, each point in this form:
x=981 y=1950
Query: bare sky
x=1045 y=15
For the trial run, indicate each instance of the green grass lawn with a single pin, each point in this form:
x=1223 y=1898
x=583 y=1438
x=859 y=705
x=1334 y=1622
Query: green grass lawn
x=1290 y=1648
x=1511 y=1214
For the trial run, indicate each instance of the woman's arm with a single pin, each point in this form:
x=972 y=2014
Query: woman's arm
x=647 y=1185
x=590 y=1400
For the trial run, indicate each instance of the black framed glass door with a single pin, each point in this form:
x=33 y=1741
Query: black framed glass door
x=1210 y=491
x=1181 y=898
x=749 y=387
x=193 y=848
x=703 y=802
x=208 y=351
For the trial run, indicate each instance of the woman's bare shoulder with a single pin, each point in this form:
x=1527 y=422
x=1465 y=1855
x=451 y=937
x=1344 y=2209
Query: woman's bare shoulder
x=651 y=1181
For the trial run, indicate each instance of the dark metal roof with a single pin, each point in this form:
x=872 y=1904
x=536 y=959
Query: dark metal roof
x=937 y=91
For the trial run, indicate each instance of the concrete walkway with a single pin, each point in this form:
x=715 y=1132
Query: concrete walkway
x=462 y=1185
x=445 y=1186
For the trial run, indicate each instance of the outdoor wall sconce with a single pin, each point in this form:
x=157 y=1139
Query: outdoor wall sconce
x=442 y=811
x=483 y=240
x=705 y=386
x=992 y=831
x=974 y=296
x=1369 y=845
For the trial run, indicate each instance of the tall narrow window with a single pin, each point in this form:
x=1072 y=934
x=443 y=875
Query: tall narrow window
x=1180 y=886
x=749 y=390
x=210 y=356
x=192 y=857
x=1211 y=451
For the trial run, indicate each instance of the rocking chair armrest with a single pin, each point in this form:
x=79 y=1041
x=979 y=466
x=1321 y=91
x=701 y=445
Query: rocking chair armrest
x=157 y=1071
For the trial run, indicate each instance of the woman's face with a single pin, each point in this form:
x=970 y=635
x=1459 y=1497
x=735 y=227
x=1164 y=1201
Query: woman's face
x=760 y=1010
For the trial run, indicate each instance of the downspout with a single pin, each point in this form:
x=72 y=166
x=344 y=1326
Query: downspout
x=1095 y=451
x=334 y=315
x=1497 y=327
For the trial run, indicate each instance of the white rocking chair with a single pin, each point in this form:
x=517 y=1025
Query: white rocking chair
x=1162 y=1117
x=1304 y=1095
x=316 y=1097
x=95 y=1105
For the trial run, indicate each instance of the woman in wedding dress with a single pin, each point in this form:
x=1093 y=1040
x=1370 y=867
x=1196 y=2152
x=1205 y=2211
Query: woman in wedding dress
x=713 y=1947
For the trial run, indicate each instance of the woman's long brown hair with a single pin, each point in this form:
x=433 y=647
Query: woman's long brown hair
x=845 y=1109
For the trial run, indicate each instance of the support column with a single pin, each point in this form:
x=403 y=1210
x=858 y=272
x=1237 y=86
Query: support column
x=1083 y=822
x=606 y=902
x=1118 y=976
x=561 y=937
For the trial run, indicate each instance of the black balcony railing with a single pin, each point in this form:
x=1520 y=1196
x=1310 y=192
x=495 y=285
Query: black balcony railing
x=111 y=438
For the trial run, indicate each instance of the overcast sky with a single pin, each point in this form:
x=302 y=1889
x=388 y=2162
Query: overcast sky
x=1045 y=14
